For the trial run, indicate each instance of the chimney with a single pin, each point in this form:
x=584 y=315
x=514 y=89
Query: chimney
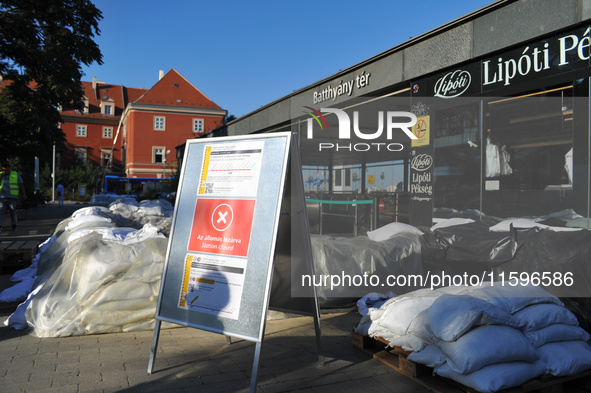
x=94 y=83
x=160 y=74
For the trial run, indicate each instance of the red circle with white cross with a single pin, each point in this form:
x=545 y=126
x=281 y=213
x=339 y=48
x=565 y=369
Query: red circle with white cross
x=222 y=217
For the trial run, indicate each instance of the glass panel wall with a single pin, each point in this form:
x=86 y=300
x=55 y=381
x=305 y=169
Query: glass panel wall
x=457 y=160
x=528 y=161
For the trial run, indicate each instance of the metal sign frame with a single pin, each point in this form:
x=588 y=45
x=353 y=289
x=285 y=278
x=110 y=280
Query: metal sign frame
x=210 y=183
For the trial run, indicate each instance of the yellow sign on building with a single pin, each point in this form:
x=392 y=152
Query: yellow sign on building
x=371 y=179
x=422 y=131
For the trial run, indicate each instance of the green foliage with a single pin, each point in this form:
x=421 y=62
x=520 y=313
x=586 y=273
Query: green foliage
x=43 y=44
x=71 y=178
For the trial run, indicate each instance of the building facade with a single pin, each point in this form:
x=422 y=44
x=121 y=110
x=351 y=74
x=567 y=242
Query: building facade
x=130 y=131
x=168 y=114
x=91 y=133
x=501 y=99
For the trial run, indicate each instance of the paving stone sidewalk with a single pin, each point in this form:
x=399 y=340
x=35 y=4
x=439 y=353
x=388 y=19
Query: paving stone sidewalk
x=191 y=360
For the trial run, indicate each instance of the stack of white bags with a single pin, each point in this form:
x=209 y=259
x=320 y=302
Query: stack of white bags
x=95 y=276
x=488 y=338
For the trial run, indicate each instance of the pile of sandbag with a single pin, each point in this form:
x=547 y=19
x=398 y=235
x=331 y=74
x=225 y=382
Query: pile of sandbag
x=95 y=276
x=488 y=338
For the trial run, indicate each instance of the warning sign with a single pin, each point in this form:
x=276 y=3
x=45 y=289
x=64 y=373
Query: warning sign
x=222 y=226
x=421 y=131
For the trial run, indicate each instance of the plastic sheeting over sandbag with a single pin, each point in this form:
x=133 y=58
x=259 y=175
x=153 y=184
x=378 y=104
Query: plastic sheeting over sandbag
x=130 y=213
x=343 y=265
x=100 y=286
x=92 y=276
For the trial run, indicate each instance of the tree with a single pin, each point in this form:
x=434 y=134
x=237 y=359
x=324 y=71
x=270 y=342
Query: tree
x=43 y=44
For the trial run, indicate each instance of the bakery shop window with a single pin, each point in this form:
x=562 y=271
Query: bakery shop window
x=528 y=152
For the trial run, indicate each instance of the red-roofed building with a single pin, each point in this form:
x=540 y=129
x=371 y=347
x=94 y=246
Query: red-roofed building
x=90 y=133
x=137 y=126
x=165 y=116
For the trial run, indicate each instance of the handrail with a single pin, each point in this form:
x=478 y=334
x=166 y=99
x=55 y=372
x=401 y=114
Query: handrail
x=359 y=202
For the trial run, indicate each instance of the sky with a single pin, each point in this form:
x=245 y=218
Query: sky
x=246 y=54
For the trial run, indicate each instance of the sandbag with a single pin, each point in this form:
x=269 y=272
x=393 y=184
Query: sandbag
x=556 y=333
x=495 y=377
x=566 y=357
x=539 y=316
x=449 y=317
x=487 y=345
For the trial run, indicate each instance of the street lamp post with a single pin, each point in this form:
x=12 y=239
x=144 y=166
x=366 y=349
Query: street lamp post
x=164 y=164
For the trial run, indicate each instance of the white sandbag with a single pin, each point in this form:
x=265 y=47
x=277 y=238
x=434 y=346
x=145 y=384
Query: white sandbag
x=398 y=315
x=86 y=221
x=451 y=222
x=522 y=223
x=91 y=211
x=156 y=207
x=17 y=292
x=487 y=345
x=430 y=356
x=514 y=298
x=566 y=357
x=538 y=316
x=397 y=323
x=148 y=231
x=495 y=377
x=556 y=333
x=449 y=317
x=372 y=315
x=409 y=342
x=392 y=229
x=107 y=233
x=126 y=290
x=100 y=287
x=124 y=200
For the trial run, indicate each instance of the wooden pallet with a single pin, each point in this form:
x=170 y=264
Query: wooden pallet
x=17 y=253
x=396 y=358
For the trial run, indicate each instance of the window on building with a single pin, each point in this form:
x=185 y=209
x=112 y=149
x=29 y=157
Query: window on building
x=81 y=130
x=86 y=106
x=529 y=148
x=159 y=123
x=107 y=106
x=80 y=154
x=338 y=177
x=105 y=157
x=158 y=155
x=108 y=132
x=198 y=125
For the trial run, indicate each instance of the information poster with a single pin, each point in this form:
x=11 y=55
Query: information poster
x=231 y=169
x=217 y=249
x=212 y=285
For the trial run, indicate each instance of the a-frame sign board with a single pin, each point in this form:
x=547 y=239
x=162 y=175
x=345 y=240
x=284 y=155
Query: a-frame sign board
x=221 y=256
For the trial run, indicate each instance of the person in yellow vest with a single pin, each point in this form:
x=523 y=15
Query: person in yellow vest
x=11 y=184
